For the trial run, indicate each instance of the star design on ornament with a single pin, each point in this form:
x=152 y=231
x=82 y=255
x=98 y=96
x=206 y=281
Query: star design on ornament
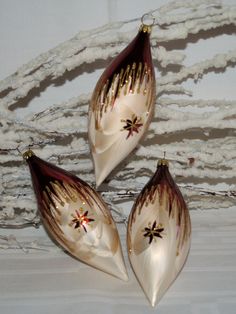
x=153 y=231
x=132 y=125
x=80 y=219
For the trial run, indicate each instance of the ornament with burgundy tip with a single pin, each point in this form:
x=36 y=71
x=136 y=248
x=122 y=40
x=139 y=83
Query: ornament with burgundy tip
x=76 y=217
x=122 y=105
x=159 y=234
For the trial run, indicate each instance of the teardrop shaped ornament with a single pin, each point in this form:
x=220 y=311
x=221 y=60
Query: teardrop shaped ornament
x=122 y=105
x=76 y=217
x=159 y=234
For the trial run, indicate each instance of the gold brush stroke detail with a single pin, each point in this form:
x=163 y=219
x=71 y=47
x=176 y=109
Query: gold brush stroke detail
x=131 y=79
x=62 y=192
x=58 y=192
x=100 y=203
x=72 y=191
x=176 y=208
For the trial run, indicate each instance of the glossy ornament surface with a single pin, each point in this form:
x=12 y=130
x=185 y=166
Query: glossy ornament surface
x=76 y=217
x=159 y=234
x=122 y=105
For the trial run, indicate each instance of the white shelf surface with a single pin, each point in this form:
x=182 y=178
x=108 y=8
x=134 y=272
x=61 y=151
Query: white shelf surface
x=53 y=282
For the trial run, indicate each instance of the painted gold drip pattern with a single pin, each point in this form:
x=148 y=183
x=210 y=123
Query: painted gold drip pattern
x=135 y=79
x=170 y=201
x=58 y=192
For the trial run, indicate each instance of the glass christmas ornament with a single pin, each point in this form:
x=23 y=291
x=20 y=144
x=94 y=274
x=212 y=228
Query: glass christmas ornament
x=76 y=217
x=158 y=235
x=122 y=105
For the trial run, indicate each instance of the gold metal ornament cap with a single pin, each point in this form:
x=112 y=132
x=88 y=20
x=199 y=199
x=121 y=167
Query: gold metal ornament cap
x=145 y=28
x=29 y=153
x=163 y=162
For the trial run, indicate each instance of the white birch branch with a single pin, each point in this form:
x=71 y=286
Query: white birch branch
x=197 y=135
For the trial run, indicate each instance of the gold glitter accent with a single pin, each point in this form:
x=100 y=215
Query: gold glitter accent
x=58 y=192
x=135 y=78
x=170 y=199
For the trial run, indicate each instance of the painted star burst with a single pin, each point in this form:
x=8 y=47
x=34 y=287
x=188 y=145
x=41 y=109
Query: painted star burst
x=80 y=219
x=153 y=231
x=132 y=125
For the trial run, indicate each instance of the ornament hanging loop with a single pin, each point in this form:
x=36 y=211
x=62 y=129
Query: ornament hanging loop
x=147 y=20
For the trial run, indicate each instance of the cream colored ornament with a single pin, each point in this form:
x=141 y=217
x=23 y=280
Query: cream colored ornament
x=159 y=233
x=76 y=217
x=122 y=105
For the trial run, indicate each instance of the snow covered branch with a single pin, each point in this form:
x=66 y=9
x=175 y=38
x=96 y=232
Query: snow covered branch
x=198 y=135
